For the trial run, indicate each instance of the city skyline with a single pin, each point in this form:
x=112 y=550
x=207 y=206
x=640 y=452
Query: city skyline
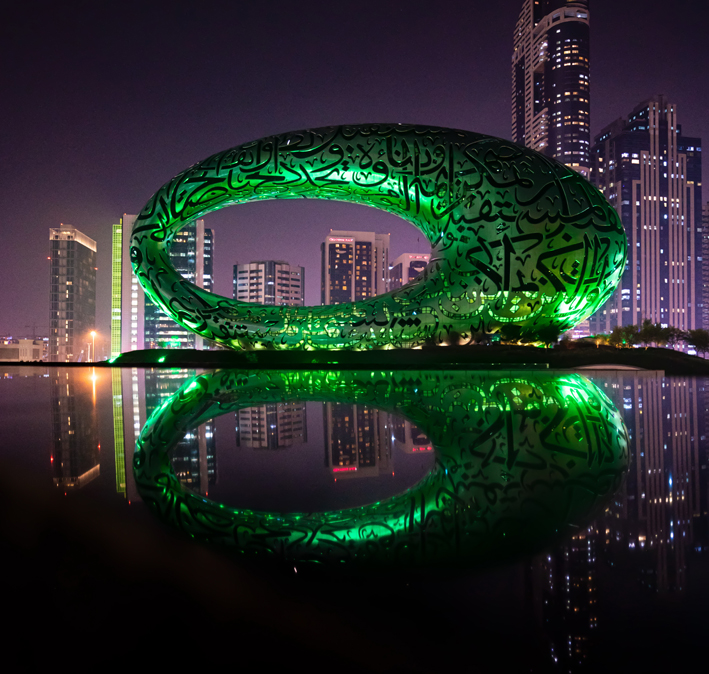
x=144 y=145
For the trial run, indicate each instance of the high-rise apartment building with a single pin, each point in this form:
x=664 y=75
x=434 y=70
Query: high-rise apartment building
x=72 y=299
x=407 y=267
x=355 y=266
x=136 y=321
x=270 y=282
x=550 y=81
x=652 y=176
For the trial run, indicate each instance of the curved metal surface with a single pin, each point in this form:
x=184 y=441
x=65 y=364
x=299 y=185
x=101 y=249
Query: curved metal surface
x=517 y=238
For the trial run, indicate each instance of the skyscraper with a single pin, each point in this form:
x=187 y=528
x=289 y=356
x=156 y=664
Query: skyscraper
x=407 y=267
x=550 y=81
x=136 y=321
x=270 y=282
x=651 y=174
x=355 y=266
x=187 y=254
x=72 y=307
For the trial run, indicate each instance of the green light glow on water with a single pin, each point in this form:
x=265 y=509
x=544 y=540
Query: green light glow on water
x=519 y=456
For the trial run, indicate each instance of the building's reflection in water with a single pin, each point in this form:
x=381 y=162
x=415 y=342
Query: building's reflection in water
x=408 y=437
x=75 y=443
x=564 y=599
x=137 y=393
x=272 y=426
x=359 y=440
x=653 y=524
x=356 y=440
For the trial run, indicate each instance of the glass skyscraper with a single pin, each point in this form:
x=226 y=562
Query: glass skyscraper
x=651 y=173
x=550 y=81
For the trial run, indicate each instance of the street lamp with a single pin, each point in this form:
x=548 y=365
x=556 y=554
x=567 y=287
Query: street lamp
x=93 y=346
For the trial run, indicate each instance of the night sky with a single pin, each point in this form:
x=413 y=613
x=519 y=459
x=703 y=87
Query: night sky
x=102 y=103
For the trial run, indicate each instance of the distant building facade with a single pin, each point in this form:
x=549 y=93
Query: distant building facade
x=21 y=350
x=72 y=298
x=550 y=81
x=270 y=282
x=407 y=267
x=355 y=266
x=651 y=174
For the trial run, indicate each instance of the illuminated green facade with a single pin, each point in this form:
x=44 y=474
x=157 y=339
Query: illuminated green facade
x=522 y=458
x=116 y=291
x=517 y=238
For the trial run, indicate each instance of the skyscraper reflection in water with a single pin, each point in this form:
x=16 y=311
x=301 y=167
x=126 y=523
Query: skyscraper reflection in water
x=356 y=440
x=563 y=589
x=408 y=437
x=272 y=426
x=194 y=459
x=654 y=524
x=75 y=444
x=136 y=394
x=660 y=514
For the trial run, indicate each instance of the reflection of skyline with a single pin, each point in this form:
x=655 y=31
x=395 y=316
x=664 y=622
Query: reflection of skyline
x=408 y=437
x=660 y=513
x=75 y=444
x=655 y=522
x=194 y=459
x=356 y=440
x=564 y=599
x=138 y=393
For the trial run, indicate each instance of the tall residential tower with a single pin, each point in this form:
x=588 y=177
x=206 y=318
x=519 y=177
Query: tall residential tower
x=550 y=81
x=355 y=266
x=72 y=294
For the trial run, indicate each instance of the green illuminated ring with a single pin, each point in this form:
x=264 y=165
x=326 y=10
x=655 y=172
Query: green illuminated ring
x=517 y=238
x=520 y=458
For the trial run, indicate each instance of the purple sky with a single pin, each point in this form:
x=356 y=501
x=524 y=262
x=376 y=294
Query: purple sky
x=102 y=103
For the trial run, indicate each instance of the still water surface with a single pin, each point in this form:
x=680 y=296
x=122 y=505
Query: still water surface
x=625 y=589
